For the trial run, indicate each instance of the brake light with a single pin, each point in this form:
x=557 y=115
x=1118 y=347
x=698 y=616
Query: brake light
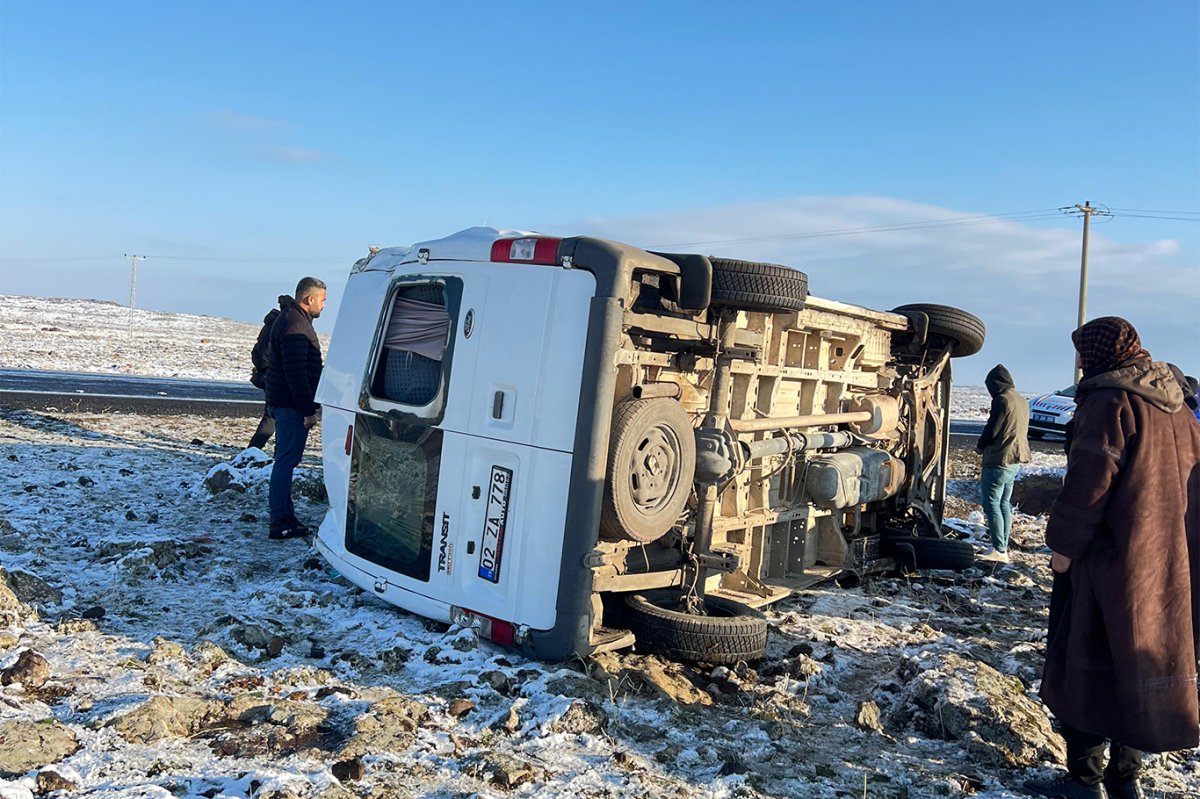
x=526 y=251
x=495 y=630
x=349 y=438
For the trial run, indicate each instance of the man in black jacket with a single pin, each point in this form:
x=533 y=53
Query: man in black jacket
x=292 y=375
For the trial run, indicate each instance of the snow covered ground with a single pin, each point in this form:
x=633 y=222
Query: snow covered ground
x=103 y=337
x=179 y=653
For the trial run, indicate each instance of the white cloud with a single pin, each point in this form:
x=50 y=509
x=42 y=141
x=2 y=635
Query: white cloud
x=1022 y=279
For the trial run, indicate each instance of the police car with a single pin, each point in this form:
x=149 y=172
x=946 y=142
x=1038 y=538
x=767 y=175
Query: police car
x=1050 y=413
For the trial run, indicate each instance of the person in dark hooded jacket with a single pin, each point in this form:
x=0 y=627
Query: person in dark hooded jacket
x=260 y=360
x=1004 y=444
x=1189 y=386
x=1124 y=627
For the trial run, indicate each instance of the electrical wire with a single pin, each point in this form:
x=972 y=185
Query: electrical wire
x=235 y=259
x=988 y=219
x=967 y=221
x=64 y=258
x=1147 y=211
x=1150 y=216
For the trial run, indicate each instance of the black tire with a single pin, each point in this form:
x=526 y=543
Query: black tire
x=753 y=286
x=921 y=552
x=651 y=466
x=963 y=331
x=730 y=632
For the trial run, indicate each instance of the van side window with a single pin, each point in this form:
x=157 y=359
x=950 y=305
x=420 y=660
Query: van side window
x=414 y=346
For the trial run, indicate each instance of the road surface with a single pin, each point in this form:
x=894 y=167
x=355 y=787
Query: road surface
x=81 y=391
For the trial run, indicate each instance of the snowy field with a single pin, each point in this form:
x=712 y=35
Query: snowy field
x=103 y=337
x=162 y=646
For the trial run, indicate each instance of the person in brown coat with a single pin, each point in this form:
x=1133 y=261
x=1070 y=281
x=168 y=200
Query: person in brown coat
x=1124 y=634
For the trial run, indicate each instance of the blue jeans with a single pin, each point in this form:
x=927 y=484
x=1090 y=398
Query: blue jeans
x=997 y=484
x=290 y=438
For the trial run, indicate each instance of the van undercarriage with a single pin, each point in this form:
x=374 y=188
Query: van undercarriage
x=735 y=439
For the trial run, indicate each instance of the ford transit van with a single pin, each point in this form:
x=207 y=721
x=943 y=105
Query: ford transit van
x=576 y=445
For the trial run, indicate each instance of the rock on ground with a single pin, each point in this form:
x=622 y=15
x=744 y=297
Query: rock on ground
x=25 y=745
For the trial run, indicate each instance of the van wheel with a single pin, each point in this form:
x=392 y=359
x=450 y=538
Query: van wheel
x=963 y=332
x=651 y=465
x=920 y=552
x=753 y=286
x=730 y=632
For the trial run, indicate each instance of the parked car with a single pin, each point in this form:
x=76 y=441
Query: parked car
x=576 y=445
x=1050 y=413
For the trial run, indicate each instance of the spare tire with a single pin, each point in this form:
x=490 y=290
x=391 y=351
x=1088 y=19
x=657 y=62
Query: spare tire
x=730 y=632
x=922 y=552
x=651 y=466
x=963 y=332
x=754 y=286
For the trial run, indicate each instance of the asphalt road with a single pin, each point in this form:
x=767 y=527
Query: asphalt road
x=108 y=393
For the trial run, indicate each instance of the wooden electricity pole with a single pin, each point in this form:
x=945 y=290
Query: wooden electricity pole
x=1087 y=211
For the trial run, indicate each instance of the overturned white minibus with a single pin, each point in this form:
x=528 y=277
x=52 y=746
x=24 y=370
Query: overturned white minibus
x=577 y=445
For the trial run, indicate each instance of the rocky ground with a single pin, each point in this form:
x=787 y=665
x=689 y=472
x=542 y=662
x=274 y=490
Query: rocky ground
x=155 y=643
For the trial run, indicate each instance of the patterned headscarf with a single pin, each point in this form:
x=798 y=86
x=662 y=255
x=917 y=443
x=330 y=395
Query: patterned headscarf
x=1107 y=343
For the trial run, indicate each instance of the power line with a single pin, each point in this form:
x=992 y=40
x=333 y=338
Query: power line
x=54 y=258
x=256 y=260
x=987 y=219
x=1126 y=215
x=966 y=221
x=1149 y=211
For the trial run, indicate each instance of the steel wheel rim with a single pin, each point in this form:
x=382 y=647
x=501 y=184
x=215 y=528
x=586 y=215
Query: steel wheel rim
x=654 y=472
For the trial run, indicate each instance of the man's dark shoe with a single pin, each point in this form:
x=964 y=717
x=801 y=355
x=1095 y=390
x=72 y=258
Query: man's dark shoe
x=1065 y=787
x=283 y=529
x=1129 y=789
x=297 y=523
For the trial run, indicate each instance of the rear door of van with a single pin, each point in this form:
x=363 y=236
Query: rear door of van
x=458 y=495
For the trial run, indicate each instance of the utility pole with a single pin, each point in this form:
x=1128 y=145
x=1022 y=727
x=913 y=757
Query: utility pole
x=133 y=259
x=1087 y=211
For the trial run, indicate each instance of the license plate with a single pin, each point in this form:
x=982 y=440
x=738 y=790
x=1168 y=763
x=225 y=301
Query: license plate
x=494 y=522
x=1041 y=417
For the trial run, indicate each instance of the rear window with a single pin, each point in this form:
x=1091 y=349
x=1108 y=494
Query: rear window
x=414 y=354
x=393 y=489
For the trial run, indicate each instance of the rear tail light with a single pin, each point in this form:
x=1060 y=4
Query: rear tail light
x=526 y=251
x=349 y=438
x=500 y=632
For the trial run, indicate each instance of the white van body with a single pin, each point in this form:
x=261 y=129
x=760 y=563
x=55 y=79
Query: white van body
x=468 y=397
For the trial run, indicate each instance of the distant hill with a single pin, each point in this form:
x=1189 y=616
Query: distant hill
x=99 y=336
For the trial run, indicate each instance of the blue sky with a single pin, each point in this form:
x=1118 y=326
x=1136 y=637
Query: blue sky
x=247 y=144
